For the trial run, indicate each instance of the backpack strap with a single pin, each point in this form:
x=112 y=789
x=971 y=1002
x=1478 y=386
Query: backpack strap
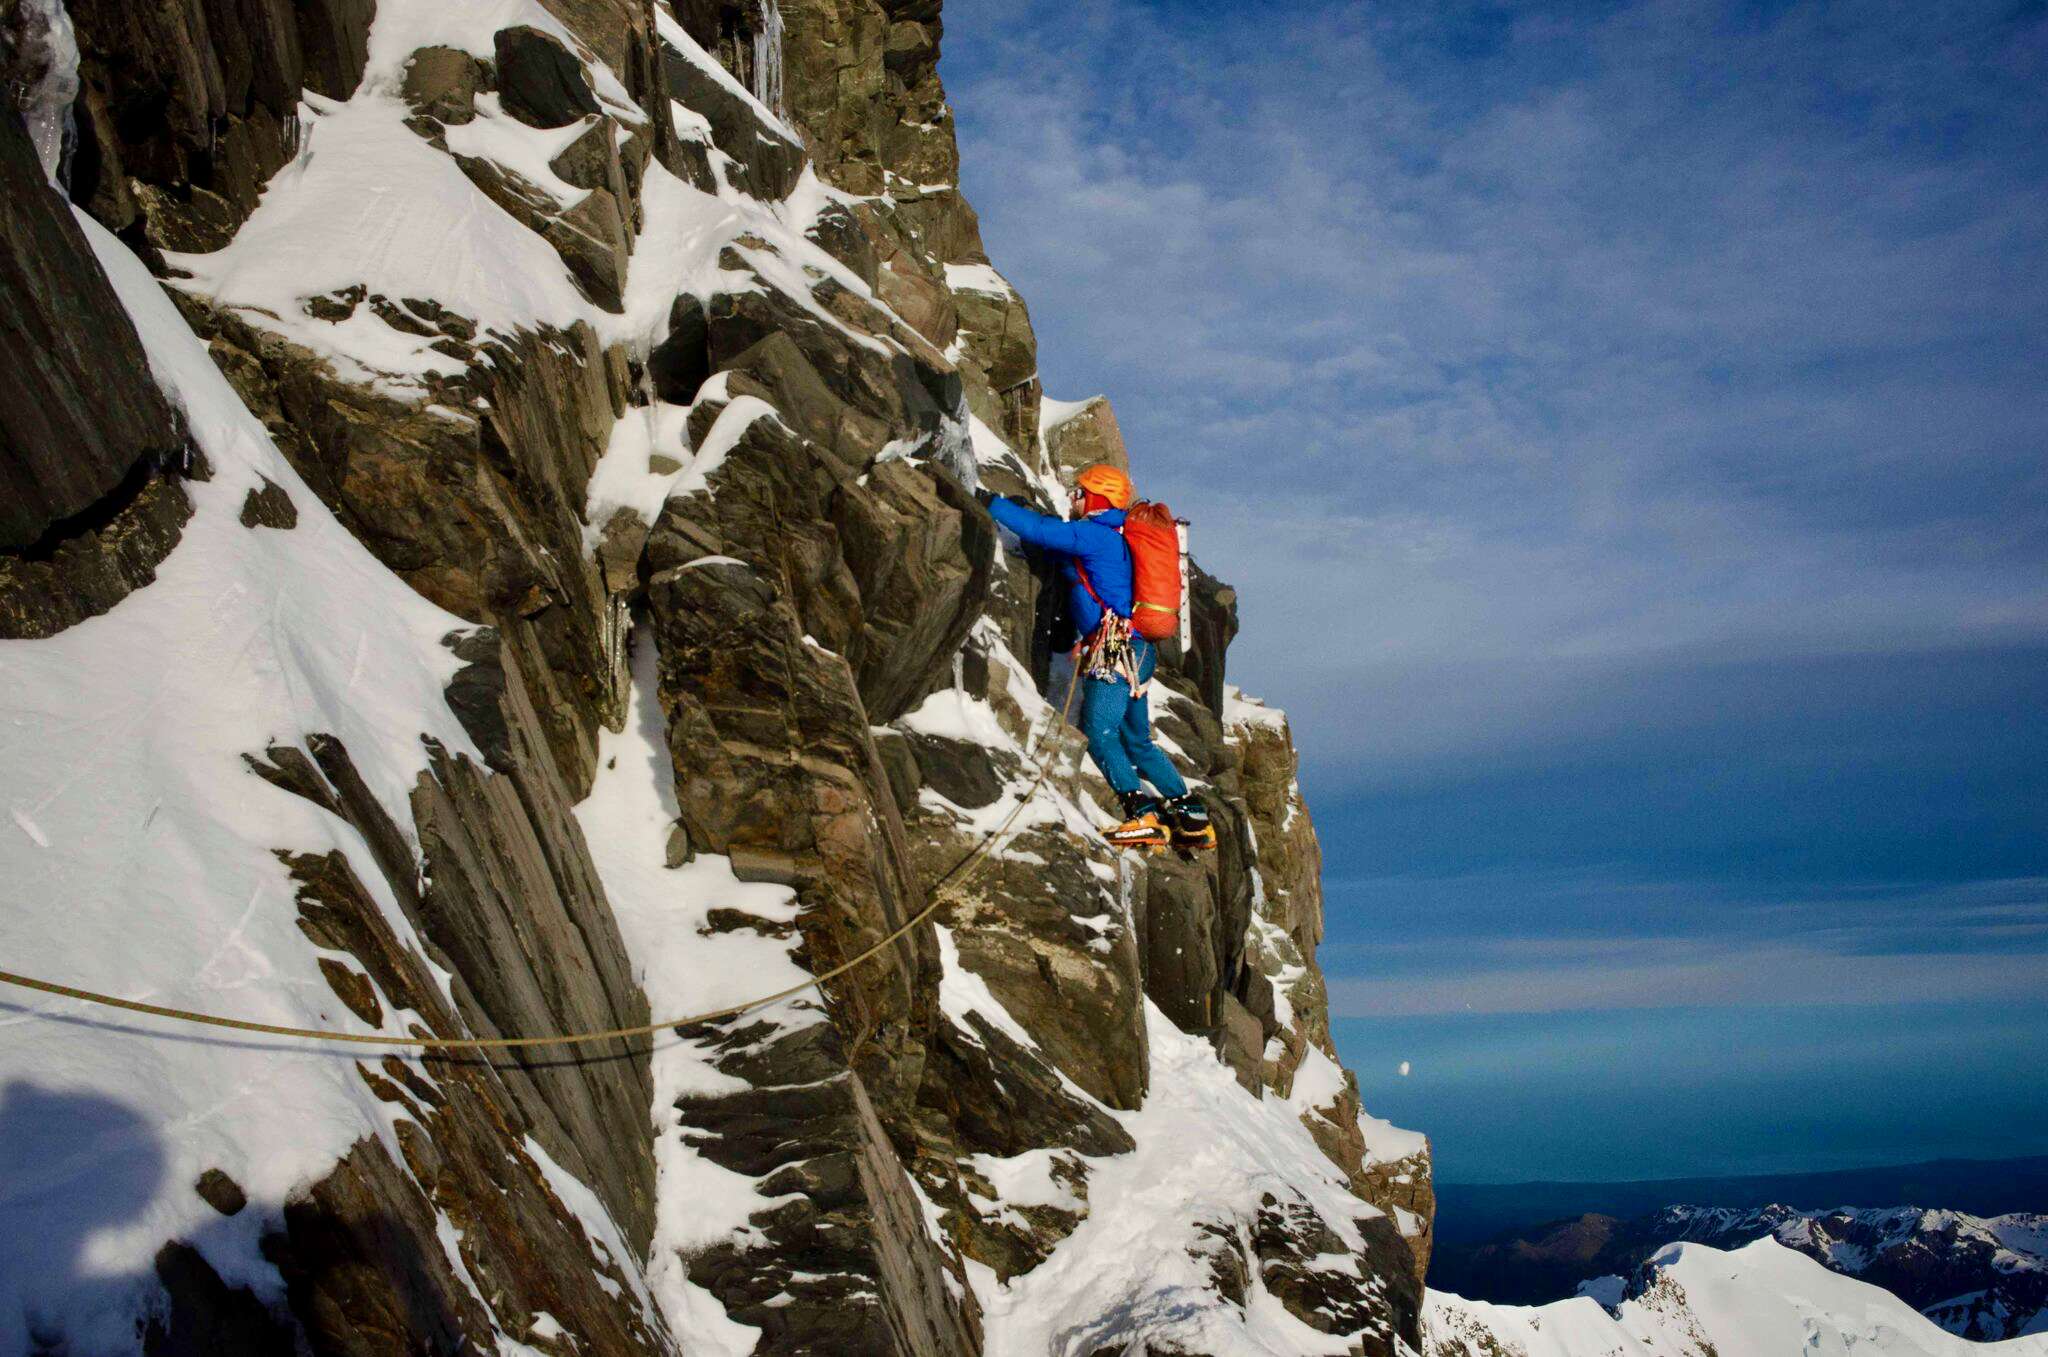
x=1082 y=572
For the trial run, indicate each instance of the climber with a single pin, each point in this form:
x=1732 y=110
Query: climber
x=1115 y=664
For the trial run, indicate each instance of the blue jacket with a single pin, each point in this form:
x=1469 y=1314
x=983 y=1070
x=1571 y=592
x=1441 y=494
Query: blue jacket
x=1096 y=542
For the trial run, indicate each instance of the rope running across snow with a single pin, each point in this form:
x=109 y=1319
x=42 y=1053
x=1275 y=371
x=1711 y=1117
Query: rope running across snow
x=944 y=890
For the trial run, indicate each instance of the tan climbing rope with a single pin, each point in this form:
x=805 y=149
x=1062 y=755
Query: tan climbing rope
x=943 y=890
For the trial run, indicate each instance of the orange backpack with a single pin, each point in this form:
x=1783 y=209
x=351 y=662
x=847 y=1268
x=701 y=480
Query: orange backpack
x=1153 y=534
x=1154 y=539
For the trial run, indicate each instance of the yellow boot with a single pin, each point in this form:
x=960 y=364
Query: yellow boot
x=1188 y=821
x=1142 y=827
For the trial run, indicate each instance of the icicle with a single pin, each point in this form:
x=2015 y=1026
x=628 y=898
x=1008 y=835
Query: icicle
x=768 y=57
x=955 y=449
x=46 y=57
x=618 y=631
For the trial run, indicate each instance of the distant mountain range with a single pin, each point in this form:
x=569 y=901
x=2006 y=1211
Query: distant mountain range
x=1475 y=1213
x=1694 y=1300
x=1979 y=1278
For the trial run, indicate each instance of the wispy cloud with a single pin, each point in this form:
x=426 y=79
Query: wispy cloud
x=1680 y=973
x=1519 y=942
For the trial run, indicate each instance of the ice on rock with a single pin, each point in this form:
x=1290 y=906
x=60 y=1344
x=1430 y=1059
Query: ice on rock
x=46 y=51
x=768 y=42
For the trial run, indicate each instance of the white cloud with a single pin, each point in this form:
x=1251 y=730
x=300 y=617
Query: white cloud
x=1678 y=337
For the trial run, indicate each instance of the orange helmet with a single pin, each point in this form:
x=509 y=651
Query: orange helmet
x=1106 y=480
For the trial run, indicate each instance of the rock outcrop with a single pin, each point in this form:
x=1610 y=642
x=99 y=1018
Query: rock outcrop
x=620 y=374
x=90 y=499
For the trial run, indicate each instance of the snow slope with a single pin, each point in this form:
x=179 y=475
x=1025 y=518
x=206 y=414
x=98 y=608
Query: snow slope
x=1207 y=1154
x=150 y=854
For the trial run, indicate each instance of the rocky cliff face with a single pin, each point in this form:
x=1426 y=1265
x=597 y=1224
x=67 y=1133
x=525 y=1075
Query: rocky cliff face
x=488 y=552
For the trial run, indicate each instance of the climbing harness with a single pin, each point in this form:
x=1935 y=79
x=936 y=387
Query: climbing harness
x=1109 y=652
x=944 y=890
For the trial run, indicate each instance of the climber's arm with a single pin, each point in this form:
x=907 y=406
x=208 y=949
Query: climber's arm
x=1040 y=530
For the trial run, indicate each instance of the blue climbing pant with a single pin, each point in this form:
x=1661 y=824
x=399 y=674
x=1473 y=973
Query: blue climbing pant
x=1119 y=731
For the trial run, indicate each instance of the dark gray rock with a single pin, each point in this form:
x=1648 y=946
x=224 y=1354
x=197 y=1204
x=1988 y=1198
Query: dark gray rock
x=442 y=83
x=984 y=1093
x=221 y=1192
x=205 y=1316
x=1178 y=938
x=1213 y=625
x=899 y=761
x=79 y=411
x=360 y=1251
x=839 y=231
x=268 y=506
x=921 y=554
x=679 y=365
x=963 y=773
x=1240 y=1041
x=88 y=564
x=335 y=35
x=593 y=241
x=512 y=905
x=1379 y=1300
x=592 y=161
x=842 y=1263
x=187 y=106
x=541 y=82
x=477 y=694
x=1255 y=992
x=765 y=161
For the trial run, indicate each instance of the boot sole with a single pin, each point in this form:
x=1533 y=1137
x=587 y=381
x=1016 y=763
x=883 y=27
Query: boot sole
x=1136 y=840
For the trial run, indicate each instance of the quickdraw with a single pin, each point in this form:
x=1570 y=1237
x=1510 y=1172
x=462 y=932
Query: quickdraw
x=1113 y=653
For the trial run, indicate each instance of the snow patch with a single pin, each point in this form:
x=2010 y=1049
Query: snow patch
x=1386 y=1143
x=950 y=714
x=1053 y=413
x=1242 y=710
x=1318 y=1083
x=367 y=202
x=978 y=278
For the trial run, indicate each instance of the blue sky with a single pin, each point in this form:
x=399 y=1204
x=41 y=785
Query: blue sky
x=1627 y=426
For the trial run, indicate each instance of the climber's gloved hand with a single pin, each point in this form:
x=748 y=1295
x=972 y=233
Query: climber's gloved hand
x=984 y=496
